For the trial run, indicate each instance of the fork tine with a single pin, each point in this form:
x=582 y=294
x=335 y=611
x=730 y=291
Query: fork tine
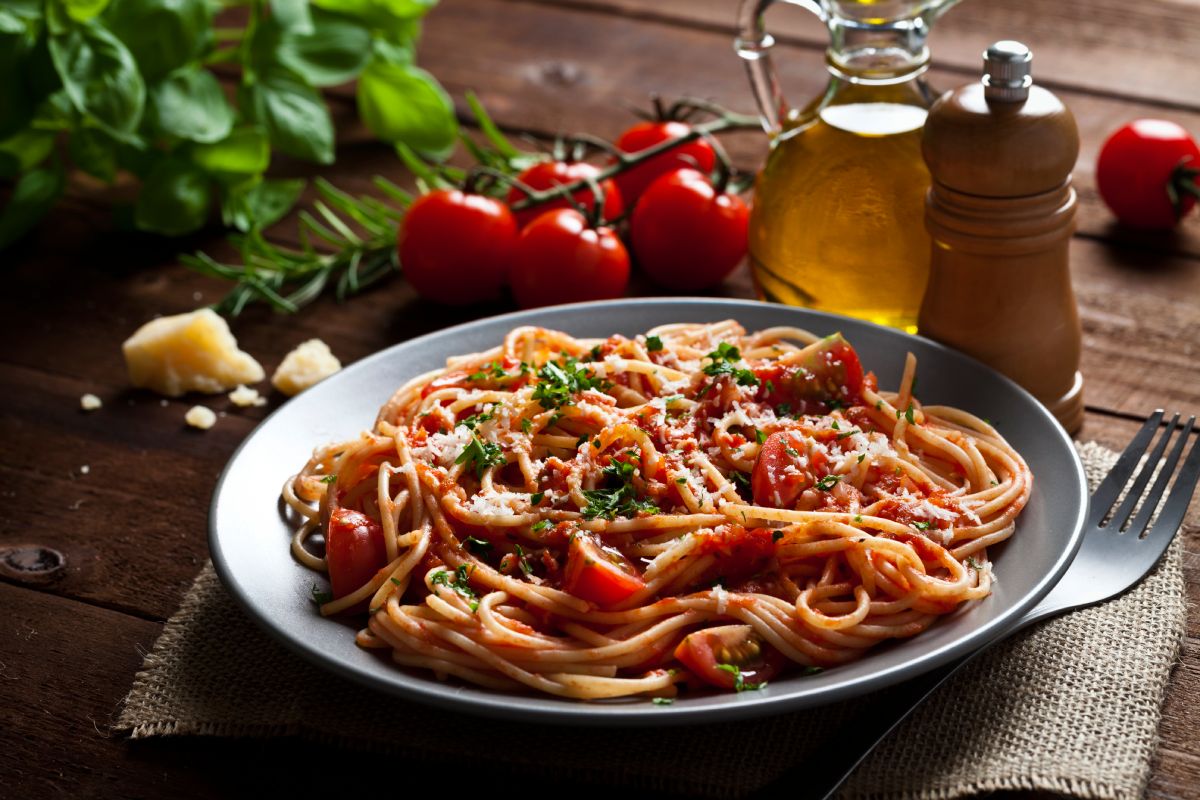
x=1160 y=484
x=1107 y=492
x=1118 y=520
x=1180 y=497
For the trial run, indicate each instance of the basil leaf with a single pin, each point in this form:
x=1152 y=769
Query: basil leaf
x=174 y=199
x=163 y=35
x=190 y=104
x=83 y=10
x=382 y=14
x=259 y=203
x=100 y=77
x=292 y=15
x=94 y=152
x=294 y=115
x=32 y=197
x=24 y=151
x=402 y=103
x=16 y=102
x=245 y=152
x=334 y=54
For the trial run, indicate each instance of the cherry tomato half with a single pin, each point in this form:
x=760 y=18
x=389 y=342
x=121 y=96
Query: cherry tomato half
x=559 y=259
x=685 y=235
x=599 y=574
x=783 y=470
x=549 y=174
x=457 y=248
x=721 y=655
x=1136 y=166
x=354 y=550
x=697 y=154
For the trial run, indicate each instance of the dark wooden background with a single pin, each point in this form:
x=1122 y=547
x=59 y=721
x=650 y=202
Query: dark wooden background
x=123 y=492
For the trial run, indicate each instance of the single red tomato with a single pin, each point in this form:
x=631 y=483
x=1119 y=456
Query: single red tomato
x=696 y=154
x=1146 y=173
x=730 y=657
x=457 y=248
x=783 y=470
x=354 y=550
x=559 y=259
x=549 y=174
x=599 y=574
x=685 y=234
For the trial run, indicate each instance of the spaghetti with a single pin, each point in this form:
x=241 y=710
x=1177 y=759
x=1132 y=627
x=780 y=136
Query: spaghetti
x=697 y=505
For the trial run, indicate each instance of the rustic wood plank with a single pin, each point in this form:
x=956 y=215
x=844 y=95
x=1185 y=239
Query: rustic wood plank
x=1136 y=50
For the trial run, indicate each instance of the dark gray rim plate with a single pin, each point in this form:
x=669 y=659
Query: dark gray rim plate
x=249 y=537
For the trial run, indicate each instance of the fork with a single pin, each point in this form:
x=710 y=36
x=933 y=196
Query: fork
x=1118 y=550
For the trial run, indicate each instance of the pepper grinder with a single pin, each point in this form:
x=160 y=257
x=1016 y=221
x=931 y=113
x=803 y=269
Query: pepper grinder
x=1000 y=212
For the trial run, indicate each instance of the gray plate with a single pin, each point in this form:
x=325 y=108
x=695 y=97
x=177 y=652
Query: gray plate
x=250 y=539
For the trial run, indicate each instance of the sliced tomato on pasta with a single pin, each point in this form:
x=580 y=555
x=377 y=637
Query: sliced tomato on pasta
x=784 y=469
x=825 y=374
x=729 y=657
x=354 y=550
x=599 y=574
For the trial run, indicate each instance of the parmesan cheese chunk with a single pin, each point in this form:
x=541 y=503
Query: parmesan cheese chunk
x=192 y=352
x=307 y=364
x=89 y=402
x=244 y=397
x=200 y=417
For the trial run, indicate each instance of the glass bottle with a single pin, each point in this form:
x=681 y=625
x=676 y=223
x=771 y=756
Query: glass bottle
x=838 y=217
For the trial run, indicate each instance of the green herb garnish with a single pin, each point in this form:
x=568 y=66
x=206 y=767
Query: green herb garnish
x=481 y=455
x=828 y=482
x=653 y=344
x=724 y=362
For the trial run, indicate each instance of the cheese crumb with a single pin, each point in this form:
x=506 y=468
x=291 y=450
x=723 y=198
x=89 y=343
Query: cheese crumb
x=309 y=363
x=85 y=469
x=244 y=397
x=89 y=402
x=192 y=352
x=200 y=417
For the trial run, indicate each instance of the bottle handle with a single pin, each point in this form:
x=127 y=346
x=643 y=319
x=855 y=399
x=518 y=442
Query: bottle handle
x=753 y=45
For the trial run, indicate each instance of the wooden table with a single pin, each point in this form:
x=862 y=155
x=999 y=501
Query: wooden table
x=122 y=493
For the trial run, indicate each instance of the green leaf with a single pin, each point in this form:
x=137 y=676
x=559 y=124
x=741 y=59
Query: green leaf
x=292 y=15
x=10 y=23
x=334 y=54
x=294 y=115
x=94 y=152
x=258 y=204
x=245 y=151
x=83 y=10
x=163 y=35
x=32 y=197
x=174 y=199
x=382 y=14
x=405 y=104
x=25 y=150
x=100 y=77
x=16 y=102
x=190 y=104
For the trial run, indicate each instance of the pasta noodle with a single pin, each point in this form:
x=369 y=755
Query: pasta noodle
x=623 y=517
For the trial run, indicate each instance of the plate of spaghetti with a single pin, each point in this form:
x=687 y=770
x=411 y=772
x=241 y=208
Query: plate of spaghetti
x=648 y=511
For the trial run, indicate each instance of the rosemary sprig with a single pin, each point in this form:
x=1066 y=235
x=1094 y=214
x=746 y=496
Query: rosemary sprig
x=360 y=230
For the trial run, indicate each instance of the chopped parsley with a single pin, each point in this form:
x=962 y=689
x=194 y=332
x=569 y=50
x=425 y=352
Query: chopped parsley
x=741 y=478
x=847 y=434
x=861 y=456
x=541 y=525
x=724 y=362
x=784 y=409
x=536 y=497
x=481 y=455
x=858 y=517
x=558 y=383
x=620 y=499
x=330 y=478
x=973 y=564
x=482 y=546
x=770 y=386
x=776 y=536
x=581 y=441
x=395 y=581
x=459 y=583
x=653 y=344
x=495 y=369
x=791 y=451
x=681 y=480
x=595 y=353
x=811 y=670
x=522 y=560
x=475 y=419
x=526 y=425
x=739 y=680
x=921 y=526
x=828 y=482
x=760 y=436
x=834 y=425
x=663 y=701
x=320 y=596
x=907 y=414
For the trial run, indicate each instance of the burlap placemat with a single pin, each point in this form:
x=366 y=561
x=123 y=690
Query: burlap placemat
x=1071 y=706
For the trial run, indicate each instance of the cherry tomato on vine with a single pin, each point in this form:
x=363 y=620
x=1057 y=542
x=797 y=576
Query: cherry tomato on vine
x=560 y=259
x=1147 y=171
x=685 y=234
x=549 y=174
x=697 y=154
x=457 y=248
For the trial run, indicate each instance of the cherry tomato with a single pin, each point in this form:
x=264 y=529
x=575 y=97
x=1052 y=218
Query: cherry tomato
x=559 y=259
x=549 y=174
x=599 y=574
x=354 y=550
x=721 y=655
x=697 y=154
x=783 y=470
x=457 y=248
x=1137 y=165
x=825 y=373
x=685 y=235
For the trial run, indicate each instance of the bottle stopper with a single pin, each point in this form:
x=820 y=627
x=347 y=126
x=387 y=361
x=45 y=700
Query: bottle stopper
x=1006 y=72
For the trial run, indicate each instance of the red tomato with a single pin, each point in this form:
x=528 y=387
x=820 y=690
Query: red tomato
x=783 y=470
x=704 y=652
x=685 y=235
x=599 y=574
x=697 y=154
x=354 y=550
x=549 y=174
x=457 y=248
x=559 y=259
x=1137 y=165
x=826 y=372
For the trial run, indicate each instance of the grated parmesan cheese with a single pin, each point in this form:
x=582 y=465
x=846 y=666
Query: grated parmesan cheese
x=244 y=397
x=200 y=417
x=90 y=402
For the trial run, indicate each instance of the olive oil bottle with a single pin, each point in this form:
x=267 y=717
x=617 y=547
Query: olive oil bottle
x=838 y=217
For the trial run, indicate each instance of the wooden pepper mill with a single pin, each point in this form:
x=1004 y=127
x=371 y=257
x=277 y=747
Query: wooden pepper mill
x=1001 y=211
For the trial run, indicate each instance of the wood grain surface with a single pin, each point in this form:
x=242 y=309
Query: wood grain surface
x=121 y=494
